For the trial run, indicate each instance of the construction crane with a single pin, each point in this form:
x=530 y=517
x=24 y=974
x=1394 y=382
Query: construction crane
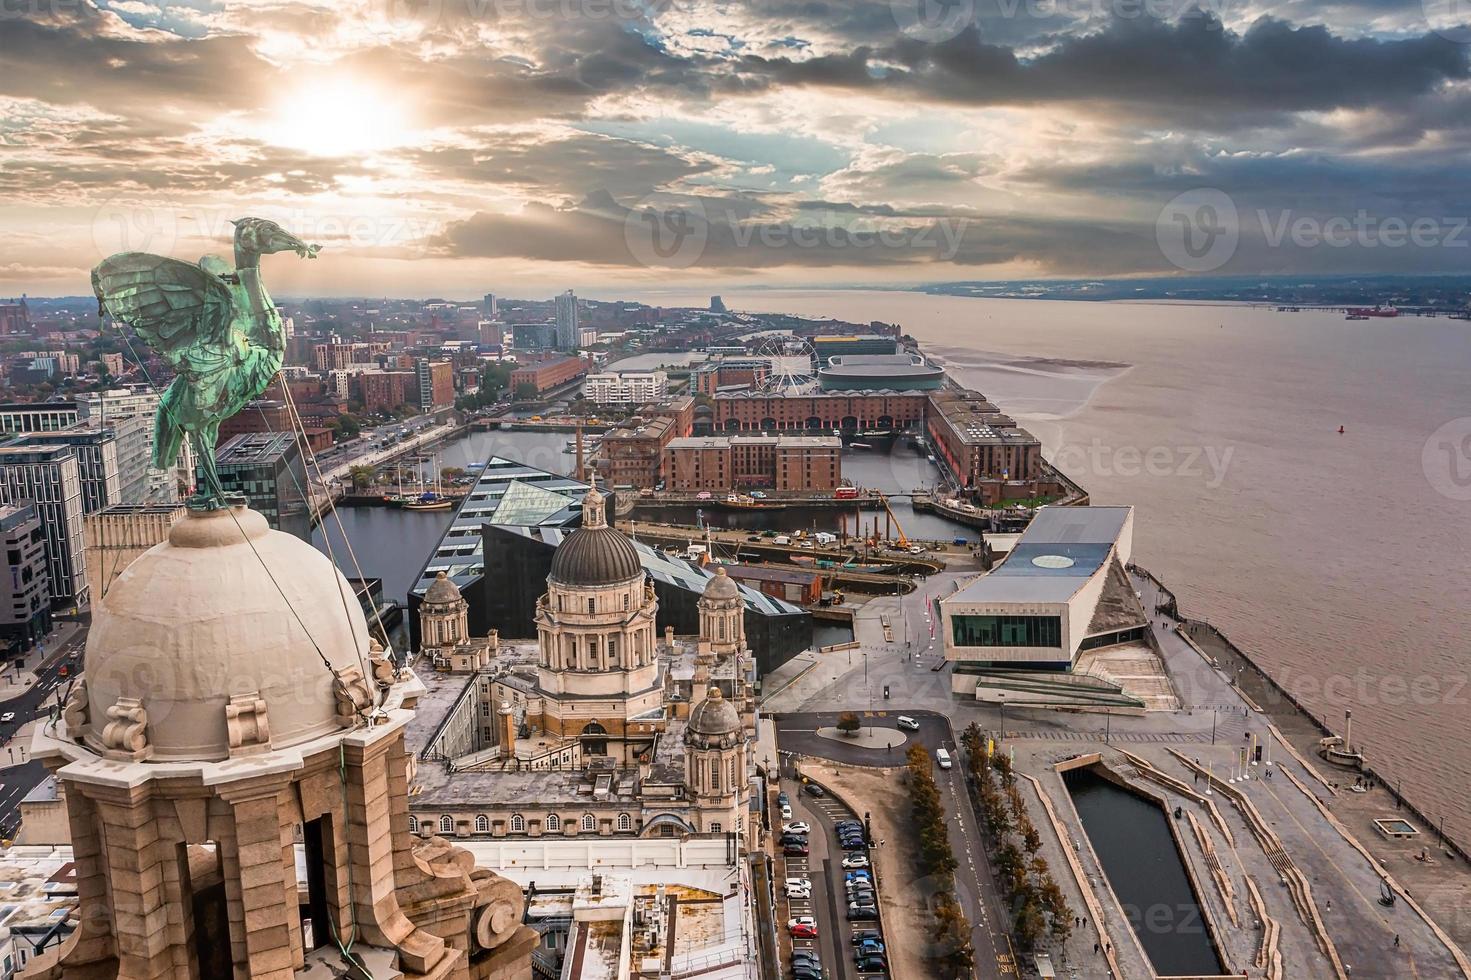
x=902 y=541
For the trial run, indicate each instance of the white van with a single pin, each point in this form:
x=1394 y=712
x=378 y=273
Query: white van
x=943 y=758
x=781 y=539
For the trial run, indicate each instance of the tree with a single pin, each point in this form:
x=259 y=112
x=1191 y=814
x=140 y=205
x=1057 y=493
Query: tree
x=848 y=723
x=362 y=476
x=526 y=391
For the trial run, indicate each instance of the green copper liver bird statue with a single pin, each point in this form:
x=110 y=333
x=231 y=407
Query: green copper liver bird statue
x=215 y=325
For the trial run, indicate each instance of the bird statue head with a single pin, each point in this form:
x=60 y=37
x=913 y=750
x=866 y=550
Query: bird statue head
x=262 y=237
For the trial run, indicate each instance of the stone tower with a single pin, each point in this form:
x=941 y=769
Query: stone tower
x=444 y=629
x=234 y=724
x=715 y=765
x=723 y=615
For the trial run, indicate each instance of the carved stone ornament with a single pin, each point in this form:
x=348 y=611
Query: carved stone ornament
x=353 y=695
x=78 y=711
x=126 y=732
x=247 y=725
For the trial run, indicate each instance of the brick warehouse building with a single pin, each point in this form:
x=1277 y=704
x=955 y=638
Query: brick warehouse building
x=823 y=411
x=730 y=462
x=978 y=442
x=548 y=374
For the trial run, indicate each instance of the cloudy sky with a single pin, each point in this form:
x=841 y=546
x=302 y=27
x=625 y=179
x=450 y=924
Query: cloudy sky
x=456 y=146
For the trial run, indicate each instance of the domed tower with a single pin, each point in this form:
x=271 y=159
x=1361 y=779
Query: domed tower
x=599 y=666
x=444 y=628
x=232 y=706
x=715 y=765
x=723 y=615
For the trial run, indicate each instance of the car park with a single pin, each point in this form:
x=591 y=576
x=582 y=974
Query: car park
x=861 y=907
x=855 y=861
x=797 y=827
x=801 y=920
x=799 y=891
x=870 y=947
x=872 y=964
x=907 y=723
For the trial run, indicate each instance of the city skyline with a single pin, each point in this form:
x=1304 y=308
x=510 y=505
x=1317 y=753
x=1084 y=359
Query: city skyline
x=436 y=147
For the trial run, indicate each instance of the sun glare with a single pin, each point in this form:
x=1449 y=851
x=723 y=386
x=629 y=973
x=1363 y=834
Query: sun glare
x=337 y=118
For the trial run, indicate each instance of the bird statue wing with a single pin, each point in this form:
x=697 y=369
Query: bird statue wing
x=171 y=304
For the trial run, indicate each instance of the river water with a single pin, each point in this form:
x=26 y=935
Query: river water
x=1340 y=562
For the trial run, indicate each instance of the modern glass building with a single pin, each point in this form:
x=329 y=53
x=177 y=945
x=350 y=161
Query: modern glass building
x=268 y=469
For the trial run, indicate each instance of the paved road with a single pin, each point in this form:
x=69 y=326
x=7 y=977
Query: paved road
x=20 y=775
x=976 y=881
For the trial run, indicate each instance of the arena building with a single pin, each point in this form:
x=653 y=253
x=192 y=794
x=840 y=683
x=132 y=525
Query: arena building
x=894 y=372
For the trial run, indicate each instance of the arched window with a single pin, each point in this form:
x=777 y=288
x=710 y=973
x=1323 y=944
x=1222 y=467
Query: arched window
x=589 y=822
x=518 y=824
x=720 y=625
x=626 y=600
x=482 y=824
x=446 y=824
x=625 y=822
x=413 y=824
x=554 y=825
x=715 y=774
x=715 y=828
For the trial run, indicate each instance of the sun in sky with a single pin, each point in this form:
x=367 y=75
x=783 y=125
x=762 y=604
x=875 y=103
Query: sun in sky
x=338 y=117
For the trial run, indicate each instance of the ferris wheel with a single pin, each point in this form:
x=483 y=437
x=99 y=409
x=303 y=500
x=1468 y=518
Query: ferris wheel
x=793 y=364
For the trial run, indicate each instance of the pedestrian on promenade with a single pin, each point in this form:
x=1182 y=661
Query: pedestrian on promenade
x=1396 y=940
x=1095 y=949
x=1108 y=947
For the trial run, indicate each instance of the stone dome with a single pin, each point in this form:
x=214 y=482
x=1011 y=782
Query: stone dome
x=442 y=591
x=714 y=716
x=595 y=554
x=199 y=619
x=721 y=586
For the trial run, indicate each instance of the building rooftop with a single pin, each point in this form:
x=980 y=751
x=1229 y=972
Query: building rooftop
x=1059 y=551
x=255 y=447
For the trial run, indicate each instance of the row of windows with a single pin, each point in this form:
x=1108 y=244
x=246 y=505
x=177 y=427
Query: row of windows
x=552 y=823
x=1007 y=631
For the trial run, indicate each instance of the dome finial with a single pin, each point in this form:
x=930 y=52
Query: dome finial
x=593 y=516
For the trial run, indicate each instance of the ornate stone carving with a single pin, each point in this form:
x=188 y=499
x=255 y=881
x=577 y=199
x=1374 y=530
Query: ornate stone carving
x=247 y=725
x=353 y=695
x=78 y=713
x=126 y=733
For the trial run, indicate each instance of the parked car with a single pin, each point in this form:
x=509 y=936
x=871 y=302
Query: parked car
x=907 y=723
x=801 y=920
x=786 y=811
x=856 y=876
x=861 y=907
x=703 y=495
x=870 y=946
x=769 y=533
x=796 y=827
x=808 y=956
x=860 y=935
x=9 y=716
x=812 y=789
x=872 y=964
x=782 y=799
x=798 y=891
x=806 y=972
x=855 y=861
x=843 y=825
x=863 y=915
x=804 y=932
x=794 y=850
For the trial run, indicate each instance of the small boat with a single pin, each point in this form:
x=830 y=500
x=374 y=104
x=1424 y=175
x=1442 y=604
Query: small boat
x=428 y=501
x=1357 y=316
x=859 y=445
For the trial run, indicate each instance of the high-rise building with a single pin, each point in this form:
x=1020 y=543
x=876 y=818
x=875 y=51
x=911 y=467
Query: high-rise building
x=567 y=334
x=14 y=318
x=48 y=477
x=436 y=384
x=97 y=462
x=130 y=412
x=488 y=305
x=25 y=590
x=37 y=416
x=267 y=468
